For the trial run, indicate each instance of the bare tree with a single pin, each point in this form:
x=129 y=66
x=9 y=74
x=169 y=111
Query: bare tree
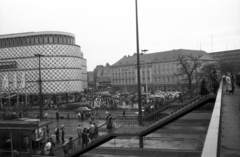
x=206 y=70
x=189 y=65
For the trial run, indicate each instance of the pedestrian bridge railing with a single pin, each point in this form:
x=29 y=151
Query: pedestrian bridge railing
x=212 y=142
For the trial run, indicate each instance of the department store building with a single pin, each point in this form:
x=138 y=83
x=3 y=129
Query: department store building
x=63 y=67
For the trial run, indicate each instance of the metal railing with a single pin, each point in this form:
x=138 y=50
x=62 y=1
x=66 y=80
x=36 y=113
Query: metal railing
x=92 y=137
x=131 y=125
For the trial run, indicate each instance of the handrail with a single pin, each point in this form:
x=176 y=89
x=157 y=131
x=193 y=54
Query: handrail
x=211 y=144
x=184 y=98
x=79 y=138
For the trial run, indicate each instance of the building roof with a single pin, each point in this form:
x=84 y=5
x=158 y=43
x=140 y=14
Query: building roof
x=35 y=33
x=228 y=51
x=157 y=57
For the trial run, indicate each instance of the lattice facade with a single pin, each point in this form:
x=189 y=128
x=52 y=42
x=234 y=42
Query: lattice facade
x=61 y=68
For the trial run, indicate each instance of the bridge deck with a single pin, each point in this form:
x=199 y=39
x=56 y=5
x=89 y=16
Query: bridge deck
x=230 y=139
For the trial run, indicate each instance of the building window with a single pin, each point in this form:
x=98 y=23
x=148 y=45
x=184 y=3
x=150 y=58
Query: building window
x=69 y=42
x=28 y=40
x=40 y=39
x=50 y=39
x=45 y=39
x=64 y=39
x=60 y=39
x=55 y=39
x=36 y=40
x=32 y=40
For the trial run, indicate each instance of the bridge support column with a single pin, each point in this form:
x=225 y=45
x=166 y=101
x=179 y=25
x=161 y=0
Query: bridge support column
x=140 y=141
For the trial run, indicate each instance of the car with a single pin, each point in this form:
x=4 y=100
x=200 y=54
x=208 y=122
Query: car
x=82 y=109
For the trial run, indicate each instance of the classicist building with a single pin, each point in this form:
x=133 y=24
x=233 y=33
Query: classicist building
x=63 y=67
x=229 y=60
x=157 y=71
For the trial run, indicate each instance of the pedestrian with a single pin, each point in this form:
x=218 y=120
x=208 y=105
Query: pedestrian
x=47 y=148
x=63 y=133
x=79 y=116
x=65 y=147
x=70 y=145
x=57 y=134
x=109 y=124
x=47 y=131
x=106 y=114
x=57 y=115
x=84 y=138
x=228 y=83
x=203 y=90
x=79 y=132
x=124 y=113
x=91 y=131
x=46 y=115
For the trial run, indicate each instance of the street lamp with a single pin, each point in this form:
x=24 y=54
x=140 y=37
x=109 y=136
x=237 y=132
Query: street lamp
x=40 y=84
x=138 y=78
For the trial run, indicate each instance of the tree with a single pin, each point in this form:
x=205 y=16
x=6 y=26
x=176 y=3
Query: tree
x=189 y=66
x=207 y=69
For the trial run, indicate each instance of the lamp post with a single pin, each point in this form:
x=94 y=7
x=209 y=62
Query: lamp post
x=40 y=85
x=138 y=78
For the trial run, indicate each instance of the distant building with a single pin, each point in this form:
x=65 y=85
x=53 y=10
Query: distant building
x=157 y=70
x=90 y=79
x=102 y=77
x=230 y=59
x=63 y=68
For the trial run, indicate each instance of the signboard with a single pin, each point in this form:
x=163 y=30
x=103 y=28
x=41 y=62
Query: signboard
x=8 y=65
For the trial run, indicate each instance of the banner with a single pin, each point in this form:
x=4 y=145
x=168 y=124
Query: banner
x=5 y=83
x=15 y=80
x=23 y=80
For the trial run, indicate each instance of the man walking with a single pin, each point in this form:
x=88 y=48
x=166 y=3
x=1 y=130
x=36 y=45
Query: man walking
x=57 y=115
x=79 y=132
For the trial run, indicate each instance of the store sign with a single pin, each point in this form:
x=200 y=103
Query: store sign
x=8 y=65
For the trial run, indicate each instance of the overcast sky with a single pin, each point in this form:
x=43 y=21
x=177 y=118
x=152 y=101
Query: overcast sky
x=106 y=29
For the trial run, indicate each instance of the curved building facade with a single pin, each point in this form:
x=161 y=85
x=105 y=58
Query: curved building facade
x=63 y=68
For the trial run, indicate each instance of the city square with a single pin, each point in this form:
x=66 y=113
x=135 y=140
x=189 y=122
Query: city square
x=119 y=78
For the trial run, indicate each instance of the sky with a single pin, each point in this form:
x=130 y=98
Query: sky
x=106 y=29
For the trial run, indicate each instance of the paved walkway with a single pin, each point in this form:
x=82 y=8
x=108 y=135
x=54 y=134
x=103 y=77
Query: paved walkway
x=230 y=139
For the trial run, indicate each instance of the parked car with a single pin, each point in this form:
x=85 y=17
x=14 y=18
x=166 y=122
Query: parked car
x=82 y=108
